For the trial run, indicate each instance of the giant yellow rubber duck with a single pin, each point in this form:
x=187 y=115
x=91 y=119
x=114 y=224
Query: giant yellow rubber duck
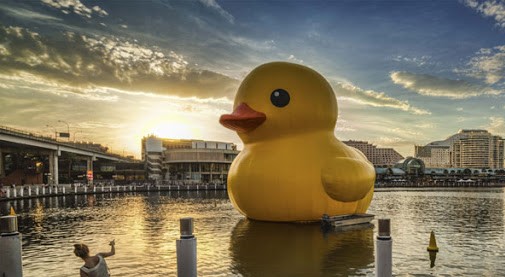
x=292 y=167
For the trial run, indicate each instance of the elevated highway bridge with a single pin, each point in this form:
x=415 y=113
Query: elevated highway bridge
x=16 y=141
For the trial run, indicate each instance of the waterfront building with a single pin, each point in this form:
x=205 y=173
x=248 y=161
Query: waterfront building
x=412 y=166
x=437 y=154
x=377 y=156
x=434 y=155
x=187 y=160
x=466 y=149
x=478 y=149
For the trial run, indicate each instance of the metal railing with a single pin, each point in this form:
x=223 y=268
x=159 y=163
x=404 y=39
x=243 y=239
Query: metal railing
x=39 y=137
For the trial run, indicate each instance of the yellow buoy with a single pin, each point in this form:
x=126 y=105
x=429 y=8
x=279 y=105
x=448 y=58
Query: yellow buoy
x=12 y=211
x=433 y=243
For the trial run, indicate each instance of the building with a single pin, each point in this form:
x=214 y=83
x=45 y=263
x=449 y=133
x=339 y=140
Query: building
x=466 y=149
x=187 y=160
x=477 y=149
x=411 y=166
x=377 y=156
x=434 y=155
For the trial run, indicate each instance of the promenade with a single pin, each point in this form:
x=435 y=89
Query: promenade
x=36 y=191
x=461 y=183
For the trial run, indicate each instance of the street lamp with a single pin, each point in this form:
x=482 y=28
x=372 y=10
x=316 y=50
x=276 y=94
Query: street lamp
x=75 y=133
x=68 y=128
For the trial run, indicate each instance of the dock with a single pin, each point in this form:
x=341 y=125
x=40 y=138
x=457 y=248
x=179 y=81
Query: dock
x=348 y=220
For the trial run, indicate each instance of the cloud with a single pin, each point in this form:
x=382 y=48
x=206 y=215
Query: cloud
x=265 y=45
x=294 y=59
x=391 y=141
x=214 y=5
x=28 y=14
x=496 y=125
x=418 y=61
x=75 y=6
x=344 y=126
x=487 y=64
x=489 y=8
x=440 y=87
x=29 y=81
x=85 y=62
x=373 y=98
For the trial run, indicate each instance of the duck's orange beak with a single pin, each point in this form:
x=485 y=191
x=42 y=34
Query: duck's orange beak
x=243 y=119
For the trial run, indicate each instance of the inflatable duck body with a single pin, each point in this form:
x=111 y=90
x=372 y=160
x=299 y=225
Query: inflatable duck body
x=292 y=167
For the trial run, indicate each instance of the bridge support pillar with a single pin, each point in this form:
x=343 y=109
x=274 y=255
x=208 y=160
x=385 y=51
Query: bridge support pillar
x=2 y=170
x=53 y=166
x=89 y=167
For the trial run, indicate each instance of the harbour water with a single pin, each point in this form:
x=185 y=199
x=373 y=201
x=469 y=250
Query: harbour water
x=468 y=223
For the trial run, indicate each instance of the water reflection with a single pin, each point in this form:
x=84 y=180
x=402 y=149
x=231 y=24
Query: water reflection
x=284 y=249
x=469 y=226
x=464 y=222
x=433 y=258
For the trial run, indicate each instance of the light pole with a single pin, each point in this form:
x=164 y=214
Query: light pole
x=68 y=128
x=75 y=133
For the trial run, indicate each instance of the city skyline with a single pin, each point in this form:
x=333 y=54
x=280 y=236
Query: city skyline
x=404 y=73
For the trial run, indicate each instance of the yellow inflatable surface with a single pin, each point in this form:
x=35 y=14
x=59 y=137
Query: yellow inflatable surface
x=292 y=167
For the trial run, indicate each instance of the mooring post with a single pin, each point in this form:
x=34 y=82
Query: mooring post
x=186 y=249
x=10 y=242
x=384 y=250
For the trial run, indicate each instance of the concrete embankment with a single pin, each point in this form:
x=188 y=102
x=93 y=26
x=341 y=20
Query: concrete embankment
x=36 y=191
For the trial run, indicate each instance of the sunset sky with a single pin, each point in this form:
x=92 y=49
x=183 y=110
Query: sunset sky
x=404 y=72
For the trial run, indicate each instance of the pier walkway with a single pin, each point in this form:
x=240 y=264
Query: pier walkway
x=36 y=191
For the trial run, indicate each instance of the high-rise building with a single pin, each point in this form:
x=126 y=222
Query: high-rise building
x=187 y=160
x=377 y=156
x=434 y=155
x=477 y=149
x=466 y=149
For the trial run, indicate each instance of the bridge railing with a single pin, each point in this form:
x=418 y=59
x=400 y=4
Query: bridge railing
x=26 y=134
x=20 y=192
x=39 y=137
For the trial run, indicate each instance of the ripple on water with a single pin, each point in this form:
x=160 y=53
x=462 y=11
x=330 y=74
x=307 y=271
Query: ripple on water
x=469 y=226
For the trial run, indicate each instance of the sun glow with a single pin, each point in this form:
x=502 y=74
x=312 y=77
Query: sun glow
x=175 y=130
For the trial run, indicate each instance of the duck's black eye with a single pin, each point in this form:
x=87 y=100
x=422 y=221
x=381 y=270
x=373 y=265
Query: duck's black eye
x=280 y=98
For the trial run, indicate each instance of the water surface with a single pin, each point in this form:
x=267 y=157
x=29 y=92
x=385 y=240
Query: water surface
x=468 y=225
